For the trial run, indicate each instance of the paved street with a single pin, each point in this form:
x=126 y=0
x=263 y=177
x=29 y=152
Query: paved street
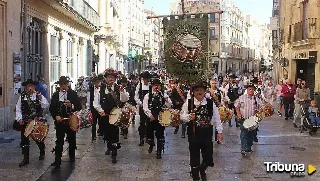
x=278 y=141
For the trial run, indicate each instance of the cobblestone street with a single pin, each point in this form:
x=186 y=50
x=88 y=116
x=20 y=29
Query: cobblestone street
x=278 y=141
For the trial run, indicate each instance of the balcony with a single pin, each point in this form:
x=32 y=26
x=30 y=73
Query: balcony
x=77 y=10
x=304 y=32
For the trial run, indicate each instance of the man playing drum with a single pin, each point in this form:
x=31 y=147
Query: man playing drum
x=63 y=103
x=201 y=116
x=246 y=106
x=153 y=104
x=106 y=99
x=30 y=106
x=141 y=90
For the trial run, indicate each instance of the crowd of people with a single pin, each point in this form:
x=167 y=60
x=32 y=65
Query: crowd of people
x=151 y=94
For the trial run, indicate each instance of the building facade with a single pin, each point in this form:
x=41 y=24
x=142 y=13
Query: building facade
x=301 y=41
x=276 y=39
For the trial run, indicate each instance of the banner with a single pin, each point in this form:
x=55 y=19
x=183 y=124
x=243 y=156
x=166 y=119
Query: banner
x=186 y=47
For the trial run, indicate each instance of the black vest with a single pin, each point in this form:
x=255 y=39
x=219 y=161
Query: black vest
x=219 y=95
x=233 y=93
x=142 y=93
x=107 y=101
x=156 y=102
x=29 y=108
x=204 y=130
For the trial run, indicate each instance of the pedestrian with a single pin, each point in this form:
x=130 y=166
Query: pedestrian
x=288 y=90
x=82 y=92
x=95 y=86
x=153 y=104
x=30 y=106
x=63 y=104
x=279 y=94
x=302 y=99
x=41 y=86
x=201 y=114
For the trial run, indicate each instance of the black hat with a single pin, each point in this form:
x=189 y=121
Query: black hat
x=254 y=80
x=62 y=80
x=199 y=84
x=132 y=77
x=251 y=85
x=233 y=76
x=145 y=75
x=30 y=81
x=97 y=78
x=123 y=80
x=156 y=81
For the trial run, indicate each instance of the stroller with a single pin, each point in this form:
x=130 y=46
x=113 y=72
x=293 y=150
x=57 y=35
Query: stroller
x=306 y=121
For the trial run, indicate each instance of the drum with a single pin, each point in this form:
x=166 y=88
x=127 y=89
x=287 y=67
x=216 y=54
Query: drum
x=176 y=121
x=165 y=117
x=85 y=117
x=114 y=116
x=74 y=122
x=251 y=123
x=125 y=118
x=29 y=128
x=40 y=130
x=225 y=113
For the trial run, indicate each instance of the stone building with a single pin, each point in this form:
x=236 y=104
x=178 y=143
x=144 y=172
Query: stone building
x=299 y=22
x=9 y=45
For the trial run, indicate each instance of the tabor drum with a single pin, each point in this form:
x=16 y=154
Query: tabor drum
x=125 y=118
x=251 y=123
x=40 y=130
x=74 y=122
x=268 y=110
x=29 y=128
x=165 y=117
x=114 y=116
x=225 y=113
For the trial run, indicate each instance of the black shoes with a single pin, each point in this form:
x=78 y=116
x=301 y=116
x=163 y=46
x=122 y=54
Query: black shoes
x=107 y=152
x=159 y=154
x=125 y=136
x=150 y=149
x=295 y=125
x=24 y=162
x=114 y=159
x=141 y=142
x=42 y=154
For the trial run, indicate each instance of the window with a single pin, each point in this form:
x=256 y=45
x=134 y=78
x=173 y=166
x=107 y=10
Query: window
x=212 y=18
x=213 y=34
x=70 y=57
x=55 y=58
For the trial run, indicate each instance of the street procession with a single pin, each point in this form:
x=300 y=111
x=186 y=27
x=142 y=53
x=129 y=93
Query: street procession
x=104 y=91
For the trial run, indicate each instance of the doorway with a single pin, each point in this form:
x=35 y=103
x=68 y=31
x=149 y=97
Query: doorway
x=306 y=71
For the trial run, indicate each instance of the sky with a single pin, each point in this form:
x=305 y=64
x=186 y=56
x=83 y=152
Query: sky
x=260 y=10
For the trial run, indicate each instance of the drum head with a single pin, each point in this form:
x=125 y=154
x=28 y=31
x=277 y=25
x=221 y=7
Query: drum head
x=115 y=115
x=40 y=131
x=74 y=122
x=165 y=118
x=250 y=122
x=29 y=128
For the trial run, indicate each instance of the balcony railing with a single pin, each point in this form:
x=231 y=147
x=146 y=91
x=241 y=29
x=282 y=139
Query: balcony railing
x=306 y=29
x=83 y=10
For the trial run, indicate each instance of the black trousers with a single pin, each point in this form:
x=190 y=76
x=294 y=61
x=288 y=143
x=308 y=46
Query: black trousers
x=95 y=120
x=25 y=142
x=111 y=132
x=155 y=128
x=206 y=150
x=62 y=129
x=143 y=123
x=288 y=106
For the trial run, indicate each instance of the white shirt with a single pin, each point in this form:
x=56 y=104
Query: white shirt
x=136 y=94
x=145 y=105
x=124 y=97
x=215 y=120
x=44 y=104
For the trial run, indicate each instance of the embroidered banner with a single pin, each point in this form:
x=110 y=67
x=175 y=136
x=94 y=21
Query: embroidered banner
x=186 y=47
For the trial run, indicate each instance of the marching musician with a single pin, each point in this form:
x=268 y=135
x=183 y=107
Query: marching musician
x=216 y=96
x=124 y=83
x=30 y=105
x=153 y=104
x=201 y=116
x=232 y=95
x=246 y=106
x=178 y=97
x=141 y=90
x=108 y=97
x=95 y=85
x=63 y=103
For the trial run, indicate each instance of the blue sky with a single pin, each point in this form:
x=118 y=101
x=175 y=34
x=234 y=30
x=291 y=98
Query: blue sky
x=260 y=10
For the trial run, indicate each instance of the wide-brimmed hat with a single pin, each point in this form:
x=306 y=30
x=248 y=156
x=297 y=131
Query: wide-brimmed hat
x=250 y=85
x=156 y=81
x=254 y=80
x=110 y=71
x=123 y=80
x=132 y=77
x=200 y=84
x=97 y=78
x=145 y=75
x=29 y=81
x=233 y=76
x=62 y=80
